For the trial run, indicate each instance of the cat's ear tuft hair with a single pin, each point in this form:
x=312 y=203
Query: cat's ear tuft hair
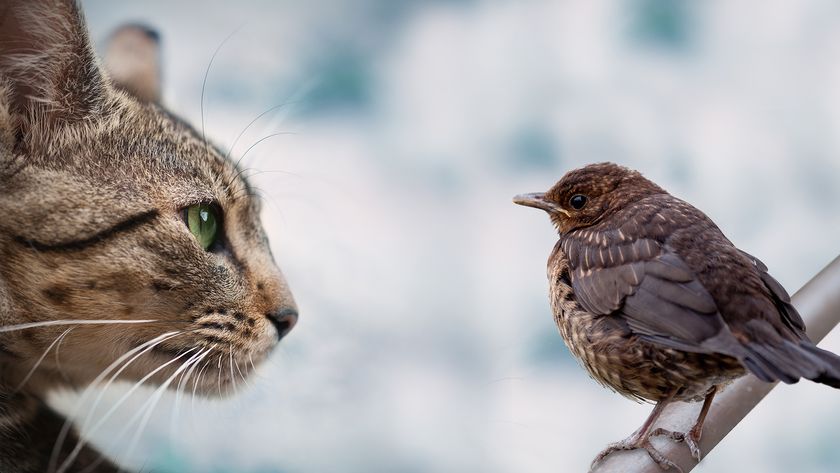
x=48 y=68
x=132 y=59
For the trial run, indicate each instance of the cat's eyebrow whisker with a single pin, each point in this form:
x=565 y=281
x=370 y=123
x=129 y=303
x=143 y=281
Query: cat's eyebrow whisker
x=204 y=85
x=258 y=193
x=301 y=92
x=253 y=191
x=248 y=126
x=65 y=429
x=264 y=138
x=49 y=323
x=273 y=171
x=240 y=171
x=41 y=359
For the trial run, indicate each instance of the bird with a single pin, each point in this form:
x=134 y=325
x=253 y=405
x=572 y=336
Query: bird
x=659 y=306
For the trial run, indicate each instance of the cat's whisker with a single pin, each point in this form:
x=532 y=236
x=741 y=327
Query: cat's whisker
x=65 y=428
x=50 y=323
x=114 y=376
x=264 y=138
x=191 y=363
x=198 y=378
x=294 y=98
x=272 y=135
x=92 y=467
x=147 y=408
x=303 y=89
x=248 y=126
x=255 y=373
x=179 y=392
x=232 y=376
x=204 y=85
x=256 y=192
x=242 y=375
x=253 y=191
x=120 y=272
x=273 y=171
x=77 y=449
x=58 y=361
x=219 y=369
x=80 y=443
x=41 y=359
x=251 y=360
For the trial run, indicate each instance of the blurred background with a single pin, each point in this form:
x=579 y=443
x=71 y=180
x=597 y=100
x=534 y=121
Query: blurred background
x=426 y=342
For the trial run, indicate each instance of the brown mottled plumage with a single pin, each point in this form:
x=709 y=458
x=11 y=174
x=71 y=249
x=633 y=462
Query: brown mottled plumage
x=657 y=303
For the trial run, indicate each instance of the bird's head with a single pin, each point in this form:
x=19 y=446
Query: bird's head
x=586 y=195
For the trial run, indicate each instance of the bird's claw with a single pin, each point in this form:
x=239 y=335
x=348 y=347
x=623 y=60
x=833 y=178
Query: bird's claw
x=691 y=439
x=637 y=442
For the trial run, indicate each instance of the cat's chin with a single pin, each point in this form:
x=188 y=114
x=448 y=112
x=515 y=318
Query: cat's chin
x=203 y=371
x=223 y=379
x=217 y=375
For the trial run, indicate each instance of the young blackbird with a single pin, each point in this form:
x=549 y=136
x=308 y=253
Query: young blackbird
x=658 y=305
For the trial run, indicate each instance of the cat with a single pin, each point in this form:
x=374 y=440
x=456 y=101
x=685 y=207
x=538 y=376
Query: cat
x=130 y=247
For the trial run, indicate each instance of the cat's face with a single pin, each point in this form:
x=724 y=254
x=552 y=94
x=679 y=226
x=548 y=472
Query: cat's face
x=114 y=210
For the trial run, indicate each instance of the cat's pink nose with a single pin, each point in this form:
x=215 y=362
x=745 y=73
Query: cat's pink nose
x=283 y=320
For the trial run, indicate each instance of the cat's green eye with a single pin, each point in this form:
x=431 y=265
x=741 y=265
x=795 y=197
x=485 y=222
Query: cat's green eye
x=203 y=222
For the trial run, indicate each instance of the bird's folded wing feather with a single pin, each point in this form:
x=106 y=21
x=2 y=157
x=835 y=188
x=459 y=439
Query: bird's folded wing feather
x=647 y=285
x=651 y=288
x=780 y=296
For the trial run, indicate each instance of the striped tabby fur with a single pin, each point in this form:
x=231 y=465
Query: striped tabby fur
x=94 y=176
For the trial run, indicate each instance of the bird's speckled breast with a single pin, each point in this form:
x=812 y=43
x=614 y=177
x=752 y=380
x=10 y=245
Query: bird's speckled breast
x=619 y=360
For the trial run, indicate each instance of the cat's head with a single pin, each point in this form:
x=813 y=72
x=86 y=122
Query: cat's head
x=112 y=209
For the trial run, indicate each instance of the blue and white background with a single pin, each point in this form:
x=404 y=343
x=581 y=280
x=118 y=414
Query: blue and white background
x=426 y=343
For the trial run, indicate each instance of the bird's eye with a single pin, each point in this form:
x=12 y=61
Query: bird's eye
x=578 y=201
x=203 y=222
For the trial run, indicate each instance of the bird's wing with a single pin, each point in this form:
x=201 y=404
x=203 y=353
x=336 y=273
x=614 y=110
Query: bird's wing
x=671 y=276
x=651 y=288
x=781 y=298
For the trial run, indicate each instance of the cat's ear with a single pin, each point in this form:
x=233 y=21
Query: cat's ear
x=132 y=59
x=49 y=75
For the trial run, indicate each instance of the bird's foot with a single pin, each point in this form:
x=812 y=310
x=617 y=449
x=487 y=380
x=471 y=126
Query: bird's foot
x=633 y=442
x=692 y=439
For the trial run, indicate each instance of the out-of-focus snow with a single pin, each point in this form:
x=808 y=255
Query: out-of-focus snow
x=426 y=342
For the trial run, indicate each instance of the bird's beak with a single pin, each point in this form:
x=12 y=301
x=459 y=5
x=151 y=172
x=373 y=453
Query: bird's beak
x=538 y=201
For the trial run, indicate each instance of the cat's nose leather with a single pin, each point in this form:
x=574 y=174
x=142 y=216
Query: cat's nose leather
x=283 y=320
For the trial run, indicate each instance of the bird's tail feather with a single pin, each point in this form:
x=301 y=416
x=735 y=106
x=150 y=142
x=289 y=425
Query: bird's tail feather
x=791 y=360
x=830 y=376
